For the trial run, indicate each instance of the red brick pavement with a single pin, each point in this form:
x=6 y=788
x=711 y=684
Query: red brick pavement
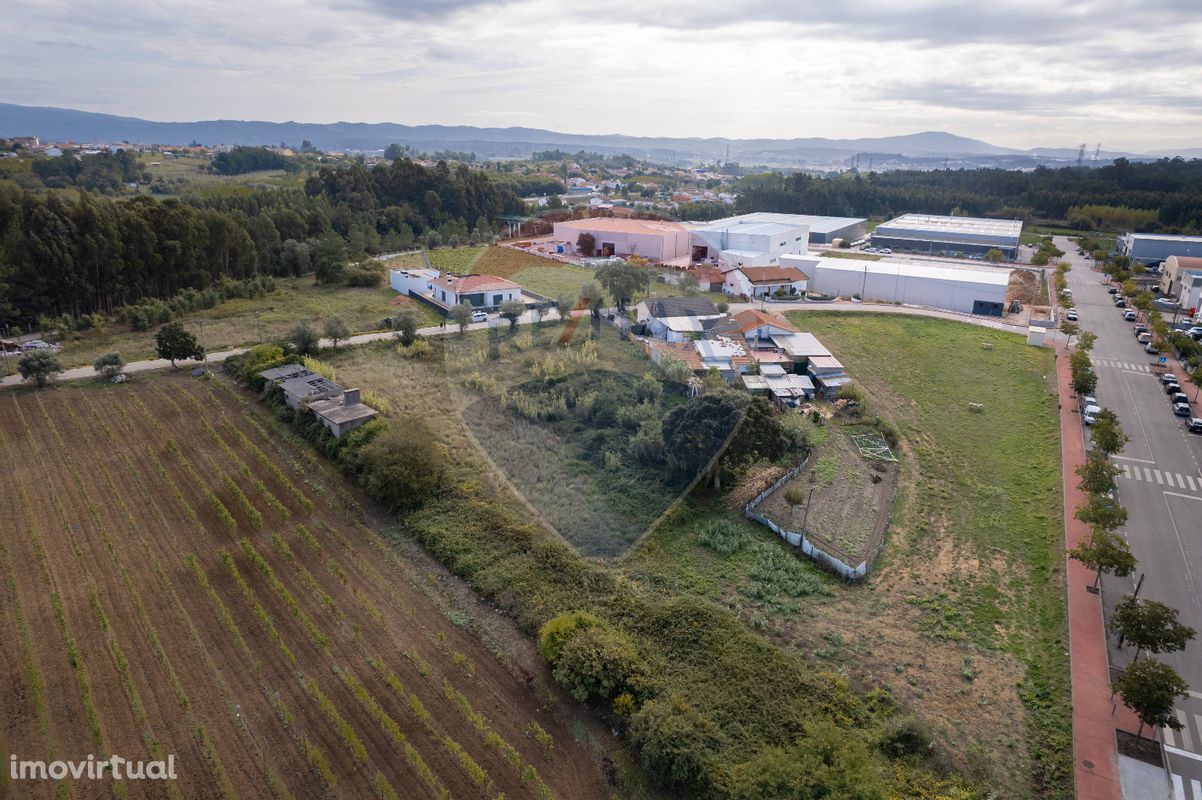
x=1095 y=754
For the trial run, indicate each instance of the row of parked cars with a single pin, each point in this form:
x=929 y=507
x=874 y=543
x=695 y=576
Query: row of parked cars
x=1180 y=402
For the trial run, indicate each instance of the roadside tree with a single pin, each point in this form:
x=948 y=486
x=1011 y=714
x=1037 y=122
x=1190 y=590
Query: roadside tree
x=336 y=330
x=405 y=326
x=1106 y=552
x=513 y=310
x=1102 y=511
x=623 y=280
x=1150 y=626
x=304 y=338
x=1097 y=475
x=462 y=314
x=1069 y=329
x=994 y=255
x=1086 y=341
x=40 y=366
x=109 y=365
x=1108 y=437
x=173 y=342
x=1150 y=689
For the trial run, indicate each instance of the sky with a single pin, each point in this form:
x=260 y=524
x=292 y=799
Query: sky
x=1015 y=73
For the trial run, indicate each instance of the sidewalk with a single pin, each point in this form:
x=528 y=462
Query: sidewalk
x=1095 y=752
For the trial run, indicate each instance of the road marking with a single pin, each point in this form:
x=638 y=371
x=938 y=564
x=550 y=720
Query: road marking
x=1169 y=739
x=1179 y=494
x=1125 y=470
x=1186 y=740
x=1177 y=751
x=1178 y=787
x=1140 y=460
x=1189 y=574
x=1159 y=480
x=1190 y=478
x=1196 y=787
x=1148 y=475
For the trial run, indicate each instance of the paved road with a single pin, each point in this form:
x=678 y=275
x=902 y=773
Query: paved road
x=1161 y=488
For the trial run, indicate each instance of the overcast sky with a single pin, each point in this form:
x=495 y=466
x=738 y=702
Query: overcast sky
x=1016 y=73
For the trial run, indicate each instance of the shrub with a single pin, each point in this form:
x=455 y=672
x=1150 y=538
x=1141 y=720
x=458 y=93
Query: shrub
x=722 y=536
x=559 y=629
x=402 y=467
x=827 y=762
x=676 y=744
x=595 y=662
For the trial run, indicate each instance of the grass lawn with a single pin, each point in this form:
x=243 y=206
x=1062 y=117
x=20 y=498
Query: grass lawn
x=964 y=617
x=456 y=260
x=233 y=323
x=556 y=280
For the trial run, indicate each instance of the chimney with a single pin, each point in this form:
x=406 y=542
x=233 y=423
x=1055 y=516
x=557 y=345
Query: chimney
x=350 y=397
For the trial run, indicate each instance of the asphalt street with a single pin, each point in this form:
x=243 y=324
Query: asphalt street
x=1161 y=488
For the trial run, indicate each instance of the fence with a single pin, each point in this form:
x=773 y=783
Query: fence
x=799 y=539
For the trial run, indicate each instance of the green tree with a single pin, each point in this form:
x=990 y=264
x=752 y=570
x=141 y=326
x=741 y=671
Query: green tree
x=174 y=342
x=462 y=314
x=304 y=338
x=688 y=284
x=1150 y=689
x=1069 y=329
x=695 y=431
x=561 y=627
x=513 y=310
x=109 y=365
x=1103 y=551
x=40 y=365
x=403 y=467
x=827 y=762
x=336 y=330
x=433 y=239
x=1097 y=475
x=1195 y=378
x=622 y=280
x=586 y=243
x=329 y=258
x=1108 y=437
x=405 y=326
x=1150 y=626
x=597 y=662
x=994 y=255
x=592 y=298
x=1102 y=511
x=1086 y=341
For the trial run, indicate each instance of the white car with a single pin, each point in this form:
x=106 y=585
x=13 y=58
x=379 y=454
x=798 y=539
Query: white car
x=885 y=250
x=479 y=316
x=1071 y=315
x=1089 y=414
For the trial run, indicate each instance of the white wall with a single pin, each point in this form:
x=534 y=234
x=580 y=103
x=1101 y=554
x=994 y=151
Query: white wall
x=658 y=245
x=913 y=290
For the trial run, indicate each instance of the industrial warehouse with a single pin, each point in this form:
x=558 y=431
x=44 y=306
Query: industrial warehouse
x=822 y=230
x=970 y=290
x=1152 y=248
x=949 y=236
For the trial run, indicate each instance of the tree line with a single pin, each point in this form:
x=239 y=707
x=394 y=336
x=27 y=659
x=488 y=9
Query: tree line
x=1077 y=196
x=62 y=255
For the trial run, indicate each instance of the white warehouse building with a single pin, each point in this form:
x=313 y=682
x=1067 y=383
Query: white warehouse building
x=949 y=236
x=970 y=290
x=1152 y=248
x=752 y=240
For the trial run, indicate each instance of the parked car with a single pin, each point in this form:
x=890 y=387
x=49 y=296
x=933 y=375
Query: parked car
x=1172 y=389
x=1129 y=315
x=886 y=250
x=1141 y=328
x=1165 y=302
x=1194 y=425
x=1071 y=315
x=1143 y=338
x=1089 y=414
x=1088 y=400
x=1182 y=409
x=1151 y=349
x=479 y=316
x=869 y=249
x=1120 y=303
x=1194 y=331
x=1113 y=290
x=1168 y=377
x=1179 y=397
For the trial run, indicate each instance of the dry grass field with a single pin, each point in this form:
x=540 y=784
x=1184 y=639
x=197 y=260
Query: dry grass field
x=175 y=580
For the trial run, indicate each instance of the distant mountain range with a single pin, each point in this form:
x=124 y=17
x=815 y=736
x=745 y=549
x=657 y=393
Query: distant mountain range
x=60 y=124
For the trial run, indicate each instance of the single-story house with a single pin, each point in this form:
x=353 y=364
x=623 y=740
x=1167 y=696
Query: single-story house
x=677 y=318
x=415 y=280
x=765 y=281
x=756 y=327
x=478 y=291
x=709 y=279
x=307 y=388
x=342 y=414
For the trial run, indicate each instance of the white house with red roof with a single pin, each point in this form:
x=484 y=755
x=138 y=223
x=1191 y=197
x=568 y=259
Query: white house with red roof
x=482 y=292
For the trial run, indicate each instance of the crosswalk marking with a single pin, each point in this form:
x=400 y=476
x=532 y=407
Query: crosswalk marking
x=1196 y=786
x=1186 y=741
x=1116 y=364
x=1178 y=787
x=1169 y=738
x=1174 y=480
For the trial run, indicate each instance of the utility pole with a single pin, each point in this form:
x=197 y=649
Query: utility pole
x=201 y=323
x=806 y=515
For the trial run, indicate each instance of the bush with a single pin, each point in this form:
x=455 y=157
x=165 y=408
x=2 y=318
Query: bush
x=595 y=662
x=827 y=762
x=722 y=536
x=365 y=277
x=676 y=744
x=557 y=630
x=402 y=467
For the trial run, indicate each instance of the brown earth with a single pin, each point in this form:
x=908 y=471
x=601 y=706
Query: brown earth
x=336 y=652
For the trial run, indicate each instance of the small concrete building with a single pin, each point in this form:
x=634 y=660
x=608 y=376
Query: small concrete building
x=1172 y=276
x=306 y=388
x=949 y=236
x=676 y=319
x=483 y=292
x=765 y=282
x=970 y=290
x=342 y=414
x=412 y=280
x=1152 y=248
x=652 y=239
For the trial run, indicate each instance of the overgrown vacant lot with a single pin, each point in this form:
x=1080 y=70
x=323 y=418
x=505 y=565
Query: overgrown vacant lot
x=173 y=579
x=964 y=616
x=239 y=322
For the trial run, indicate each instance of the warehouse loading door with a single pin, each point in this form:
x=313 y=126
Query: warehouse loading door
x=987 y=308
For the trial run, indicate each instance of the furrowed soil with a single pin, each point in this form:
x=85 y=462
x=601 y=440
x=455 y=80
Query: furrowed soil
x=174 y=580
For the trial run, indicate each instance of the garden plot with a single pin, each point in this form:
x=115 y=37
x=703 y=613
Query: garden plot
x=848 y=496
